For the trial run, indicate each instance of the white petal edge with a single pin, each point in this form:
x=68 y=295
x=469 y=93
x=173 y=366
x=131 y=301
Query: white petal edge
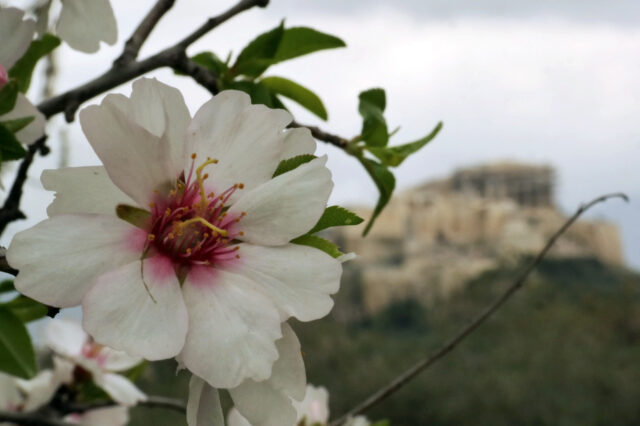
x=120 y=389
x=269 y=403
x=59 y=258
x=9 y=392
x=114 y=360
x=120 y=313
x=285 y=207
x=297 y=142
x=110 y=416
x=65 y=337
x=299 y=279
x=16 y=35
x=83 y=24
x=203 y=406
x=246 y=139
x=234 y=418
x=233 y=327
x=83 y=190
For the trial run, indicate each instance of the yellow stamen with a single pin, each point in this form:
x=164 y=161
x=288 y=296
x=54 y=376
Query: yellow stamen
x=151 y=237
x=204 y=222
x=203 y=195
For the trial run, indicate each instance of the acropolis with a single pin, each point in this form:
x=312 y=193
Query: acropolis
x=433 y=238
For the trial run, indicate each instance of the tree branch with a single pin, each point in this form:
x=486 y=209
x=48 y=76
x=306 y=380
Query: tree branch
x=30 y=419
x=319 y=134
x=70 y=101
x=140 y=35
x=151 y=402
x=412 y=372
x=10 y=210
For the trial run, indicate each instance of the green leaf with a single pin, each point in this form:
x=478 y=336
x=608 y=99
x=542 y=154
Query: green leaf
x=23 y=69
x=374 y=126
x=375 y=96
x=394 y=156
x=382 y=423
x=26 y=309
x=136 y=216
x=292 y=163
x=8 y=96
x=10 y=147
x=211 y=61
x=256 y=57
x=336 y=216
x=18 y=124
x=386 y=183
x=297 y=93
x=299 y=41
x=17 y=357
x=259 y=93
x=319 y=243
x=279 y=45
x=7 y=286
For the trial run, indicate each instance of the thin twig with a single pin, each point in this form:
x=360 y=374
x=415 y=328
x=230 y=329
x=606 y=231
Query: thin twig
x=141 y=33
x=320 y=134
x=4 y=265
x=412 y=372
x=30 y=419
x=151 y=402
x=10 y=210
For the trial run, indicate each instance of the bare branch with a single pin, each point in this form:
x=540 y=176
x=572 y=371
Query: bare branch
x=70 y=101
x=4 y=265
x=140 y=35
x=412 y=372
x=319 y=134
x=151 y=402
x=30 y=419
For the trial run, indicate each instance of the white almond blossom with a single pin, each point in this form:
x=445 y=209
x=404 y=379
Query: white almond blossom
x=208 y=272
x=16 y=34
x=68 y=340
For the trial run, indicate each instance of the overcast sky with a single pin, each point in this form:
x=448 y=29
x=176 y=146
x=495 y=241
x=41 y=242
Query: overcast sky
x=543 y=81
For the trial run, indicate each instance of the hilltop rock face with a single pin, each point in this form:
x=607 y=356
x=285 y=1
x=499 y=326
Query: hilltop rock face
x=432 y=239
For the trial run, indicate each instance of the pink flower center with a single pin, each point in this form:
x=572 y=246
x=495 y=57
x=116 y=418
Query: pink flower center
x=191 y=226
x=4 y=77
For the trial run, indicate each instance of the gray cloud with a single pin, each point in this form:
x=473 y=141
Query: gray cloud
x=625 y=12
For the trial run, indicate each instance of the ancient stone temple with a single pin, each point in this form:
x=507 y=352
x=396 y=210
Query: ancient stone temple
x=432 y=239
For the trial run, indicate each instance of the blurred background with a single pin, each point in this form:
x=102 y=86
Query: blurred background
x=540 y=102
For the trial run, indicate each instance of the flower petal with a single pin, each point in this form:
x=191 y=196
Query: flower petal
x=137 y=161
x=60 y=258
x=113 y=360
x=121 y=313
x=246 y=139
x=83 y=24
x=16 y=35
x=234 y=418
x=9 y=392
x=24 y=108
x=285 y=207
x=161 y=110
x=299 y=279
x=297 y=141
x=268 y=403
x=315 y=405
x=82 y=190
x=119 y=388
x=65 y=337
x=203 y=406
x=233 y=327
x=110 y=416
